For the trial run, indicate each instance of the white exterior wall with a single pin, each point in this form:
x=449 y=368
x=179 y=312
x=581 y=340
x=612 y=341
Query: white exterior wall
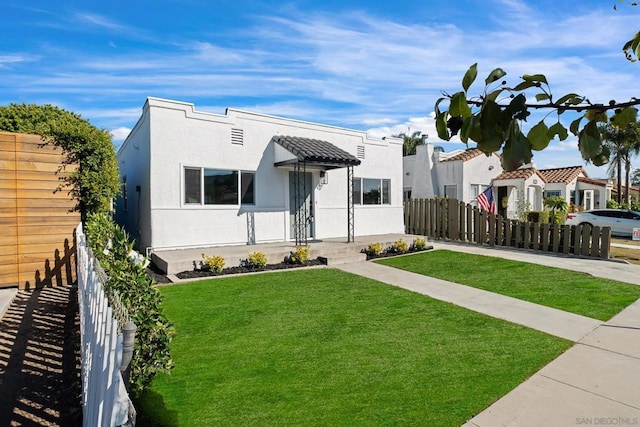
x=182 y=137
x=479 y=170
x=134 y=163
x=450 y=173
x=426 y=176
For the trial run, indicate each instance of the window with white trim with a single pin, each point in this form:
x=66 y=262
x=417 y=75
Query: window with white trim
x=371 y=191
x=204 y=186
x=451 y=191
x=476 y=190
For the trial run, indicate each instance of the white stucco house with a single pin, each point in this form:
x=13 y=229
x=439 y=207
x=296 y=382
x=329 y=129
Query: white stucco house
x=459 y=174
x=196 y=179
x=571 y=182
x=464 y=174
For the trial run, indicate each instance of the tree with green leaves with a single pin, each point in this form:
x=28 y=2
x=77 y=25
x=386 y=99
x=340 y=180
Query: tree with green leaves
x=494 y=120
x=95 y=182
x=410 y=142
x=558 y=206
x=635 y=177
x=623 y=144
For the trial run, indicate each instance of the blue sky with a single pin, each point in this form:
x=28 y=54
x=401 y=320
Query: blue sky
x=376 y=65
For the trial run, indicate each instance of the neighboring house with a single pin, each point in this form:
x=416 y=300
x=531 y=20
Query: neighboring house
x=535 y=186
x=464 y=174
x=37 y=246
x=634 y=192
x=460 y=174
x=195 y=179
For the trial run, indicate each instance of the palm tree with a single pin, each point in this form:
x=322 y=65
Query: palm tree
x=623 y=144
x=556 y=204
x=409 y=143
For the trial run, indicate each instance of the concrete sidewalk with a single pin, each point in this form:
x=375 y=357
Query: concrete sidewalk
x=593 y=383
x=6 y=297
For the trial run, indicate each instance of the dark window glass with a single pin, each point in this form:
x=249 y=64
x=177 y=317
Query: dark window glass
x=246 y=188
x=386 y=192
x=192 y=186
x=220 y=187
x=357 y=191
x=371 y=191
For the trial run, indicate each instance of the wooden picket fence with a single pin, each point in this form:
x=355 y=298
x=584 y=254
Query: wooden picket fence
x=105 y=401
x=450 y=219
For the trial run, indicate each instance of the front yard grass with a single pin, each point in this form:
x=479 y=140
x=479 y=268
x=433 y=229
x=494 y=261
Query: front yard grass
x=324 y=347
x=566 y=290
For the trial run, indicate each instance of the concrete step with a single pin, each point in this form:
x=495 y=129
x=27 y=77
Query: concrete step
x=344 y=259
x=175 y=261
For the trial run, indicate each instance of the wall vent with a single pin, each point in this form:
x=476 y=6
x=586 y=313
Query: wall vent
x=360 y=153
x=237 y=136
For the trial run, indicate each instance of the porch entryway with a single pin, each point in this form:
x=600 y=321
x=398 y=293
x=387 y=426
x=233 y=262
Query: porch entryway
x=301 y=214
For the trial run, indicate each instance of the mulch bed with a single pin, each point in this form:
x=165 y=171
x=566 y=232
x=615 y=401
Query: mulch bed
x=387 y=254
x=160 y=277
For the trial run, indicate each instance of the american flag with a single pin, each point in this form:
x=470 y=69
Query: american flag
x=487 y=202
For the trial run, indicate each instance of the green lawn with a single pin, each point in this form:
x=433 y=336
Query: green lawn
x=553 y=287
x=323 y=347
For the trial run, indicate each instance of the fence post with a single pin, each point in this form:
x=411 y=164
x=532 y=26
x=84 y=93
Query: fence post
x=555 y=238
x=544 y=241
x=606 y=242
x=129 y=335
x=596 y=241
x=566 y=241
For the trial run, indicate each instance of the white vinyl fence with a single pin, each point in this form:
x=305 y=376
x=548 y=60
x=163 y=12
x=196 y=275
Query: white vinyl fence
x=105 y=401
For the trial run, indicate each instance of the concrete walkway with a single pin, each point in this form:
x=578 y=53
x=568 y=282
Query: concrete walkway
x=593 y=383
x=6 y=297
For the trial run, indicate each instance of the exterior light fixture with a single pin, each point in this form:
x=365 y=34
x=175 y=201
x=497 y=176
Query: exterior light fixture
x=324 y=178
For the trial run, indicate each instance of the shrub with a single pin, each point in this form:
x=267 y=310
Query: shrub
x=538 y=216
x=213 y=263
x=300 y=255
x=129 y=279
x=373 y=249
x=419 y=244
x=559 y=218
x=399 y=247
x=95 y=182
x=255 y=260
x=612 y=204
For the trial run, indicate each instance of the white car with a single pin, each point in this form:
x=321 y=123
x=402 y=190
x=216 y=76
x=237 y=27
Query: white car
x=622 y=222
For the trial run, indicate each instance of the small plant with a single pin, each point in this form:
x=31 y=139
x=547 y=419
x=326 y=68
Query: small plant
x=373 y=249
x=255 y=260
x=213 y=263
x=419 y=244
x=399 y=247
x=300 y=255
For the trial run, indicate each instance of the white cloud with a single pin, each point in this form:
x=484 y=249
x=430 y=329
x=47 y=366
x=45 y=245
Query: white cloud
x=119 y=134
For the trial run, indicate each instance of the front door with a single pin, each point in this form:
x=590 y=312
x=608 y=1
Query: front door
x=502 y=202
x=301 y=216
x=587 y=199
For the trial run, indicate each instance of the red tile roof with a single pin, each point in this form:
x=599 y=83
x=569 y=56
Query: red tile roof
x=519 y=174
x=592 y=181
x=565 y=175
x=468 y=154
